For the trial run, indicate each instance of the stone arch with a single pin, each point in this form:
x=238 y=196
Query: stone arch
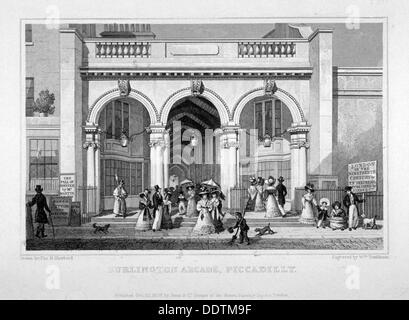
x=213 y=97
x=292 y=104
x=99 y=104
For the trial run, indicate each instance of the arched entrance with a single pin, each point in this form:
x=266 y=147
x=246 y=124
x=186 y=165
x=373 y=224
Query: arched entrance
x=265 y=115
x=194 y=148
x=111 y=114
x=293 y=141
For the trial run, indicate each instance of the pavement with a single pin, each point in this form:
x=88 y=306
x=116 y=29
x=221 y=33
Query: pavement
x=288 y=234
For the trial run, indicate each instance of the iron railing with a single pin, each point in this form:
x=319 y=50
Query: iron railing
x=88 y=199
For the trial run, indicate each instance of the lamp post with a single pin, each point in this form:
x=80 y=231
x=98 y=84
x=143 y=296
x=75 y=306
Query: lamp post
x=124 y=136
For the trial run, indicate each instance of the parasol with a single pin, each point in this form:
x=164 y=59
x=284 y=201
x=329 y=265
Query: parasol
x=186 y=181
x=211 y=183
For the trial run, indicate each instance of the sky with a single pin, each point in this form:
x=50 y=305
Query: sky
x=361 y=47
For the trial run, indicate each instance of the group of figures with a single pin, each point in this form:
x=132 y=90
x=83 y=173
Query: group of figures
x=338 y=218
x=264 y=195
x=155 y=212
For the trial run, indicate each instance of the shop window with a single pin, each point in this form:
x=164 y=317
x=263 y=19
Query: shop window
x=44 y=164
x=130 y=172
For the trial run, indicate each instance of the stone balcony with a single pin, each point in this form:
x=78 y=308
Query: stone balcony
x=203 y=57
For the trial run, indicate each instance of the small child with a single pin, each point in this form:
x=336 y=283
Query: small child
x=244 y=228
x=323 y=212
x=182 y=203
x=337 y=220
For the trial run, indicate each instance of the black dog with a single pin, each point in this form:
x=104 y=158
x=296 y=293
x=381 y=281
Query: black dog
x=264 y=230
x=103 y=229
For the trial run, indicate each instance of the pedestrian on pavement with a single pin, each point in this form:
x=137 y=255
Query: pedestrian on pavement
x=157 y=200
x=40 y=215
x=338 y=217
x=243 y=227
x=145 y=219
x=351 y=201
x=281 y=194
x=120 y=195
x=323 y=213
x=167 y=210
x=181 y=203
x=308 y=205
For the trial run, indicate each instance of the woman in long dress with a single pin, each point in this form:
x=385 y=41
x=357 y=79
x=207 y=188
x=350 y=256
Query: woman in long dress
x=120 y=195
x=181 y=203
x=252 y=192
x=191 y=210
x=259 y=204
x=308 y=205
x=216 y=212
x=204 y=224
x=272 y=209
x=145 y=220
x=167 y=209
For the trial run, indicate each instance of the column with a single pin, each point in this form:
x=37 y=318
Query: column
x=71 y=105
x=298 y=146
x=98 y=171
x=157 y=144
x=89 y=145
x=228 y=160
x=166 y=159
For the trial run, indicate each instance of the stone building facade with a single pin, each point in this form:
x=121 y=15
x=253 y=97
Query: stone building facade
x=108 y=80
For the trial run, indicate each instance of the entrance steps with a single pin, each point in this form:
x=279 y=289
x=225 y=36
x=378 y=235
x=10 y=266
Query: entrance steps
x=254 y=220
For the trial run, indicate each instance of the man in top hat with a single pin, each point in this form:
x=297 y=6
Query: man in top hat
x=157 y=200
x=351 y=201
x=40 y=215
x=281 y=194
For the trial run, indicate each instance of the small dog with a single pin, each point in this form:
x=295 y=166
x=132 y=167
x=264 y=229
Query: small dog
x=369 y=223
x=103 y=229
x=264 y=230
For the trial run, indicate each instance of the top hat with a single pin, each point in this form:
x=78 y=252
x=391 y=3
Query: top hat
x=322 y=200
x=309 y=186
x=260 y=180
x=336 y=203
x=348 y=188
x=38 y=188
x=156 y=187
x=281 y=179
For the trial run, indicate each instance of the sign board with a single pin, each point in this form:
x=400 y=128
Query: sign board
x=67 y=185
x=362 y=176
x=60 y=210
x=75 y=214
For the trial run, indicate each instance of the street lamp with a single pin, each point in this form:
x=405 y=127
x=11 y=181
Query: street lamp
x=124 y=137
x=267 y=141
x=193 y=141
